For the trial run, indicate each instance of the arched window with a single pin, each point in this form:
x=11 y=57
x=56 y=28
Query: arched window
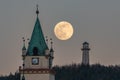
x=35 y=51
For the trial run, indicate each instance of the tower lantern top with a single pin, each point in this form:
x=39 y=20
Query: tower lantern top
x=85 y=43
x=85 y=46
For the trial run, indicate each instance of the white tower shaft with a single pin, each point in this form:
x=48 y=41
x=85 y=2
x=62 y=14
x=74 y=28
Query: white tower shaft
x=85 y=54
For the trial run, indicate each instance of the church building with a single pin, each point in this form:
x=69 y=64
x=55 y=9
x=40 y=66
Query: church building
x=38 y=57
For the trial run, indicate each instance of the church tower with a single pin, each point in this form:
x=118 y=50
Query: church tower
x=85 y=54
x=37 y=58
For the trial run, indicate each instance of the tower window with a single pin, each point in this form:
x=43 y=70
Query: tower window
x=35 y=51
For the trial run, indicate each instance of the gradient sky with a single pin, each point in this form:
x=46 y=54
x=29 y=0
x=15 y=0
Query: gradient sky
x=95 y=21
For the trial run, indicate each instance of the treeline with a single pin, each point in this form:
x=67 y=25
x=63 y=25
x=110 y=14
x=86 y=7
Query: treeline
x=82 y=72
x=11 y=76
x=79 y=72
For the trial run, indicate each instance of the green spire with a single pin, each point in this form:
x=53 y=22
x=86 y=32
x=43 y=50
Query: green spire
x=37 y=44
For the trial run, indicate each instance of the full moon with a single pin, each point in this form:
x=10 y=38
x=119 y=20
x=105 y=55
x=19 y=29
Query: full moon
x=63 y=30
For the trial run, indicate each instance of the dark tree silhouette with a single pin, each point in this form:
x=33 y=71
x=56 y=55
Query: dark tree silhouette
x=79 y=72
x=82 y=72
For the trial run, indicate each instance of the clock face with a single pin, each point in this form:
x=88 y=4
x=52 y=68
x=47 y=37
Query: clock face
x=35 y=61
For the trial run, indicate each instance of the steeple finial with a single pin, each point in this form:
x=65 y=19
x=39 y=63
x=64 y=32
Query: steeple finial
x=51 y=50
x=51 y=43
x=37 y=11
x=24 y=48
x=47 y=40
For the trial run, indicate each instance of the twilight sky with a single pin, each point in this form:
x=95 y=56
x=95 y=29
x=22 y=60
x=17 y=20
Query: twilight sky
x=95 y=21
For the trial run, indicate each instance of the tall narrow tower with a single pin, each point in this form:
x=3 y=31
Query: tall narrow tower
x=37 y=58
x=85 y=54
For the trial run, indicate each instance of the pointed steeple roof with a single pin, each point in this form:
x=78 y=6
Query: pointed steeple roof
x=37 y=44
